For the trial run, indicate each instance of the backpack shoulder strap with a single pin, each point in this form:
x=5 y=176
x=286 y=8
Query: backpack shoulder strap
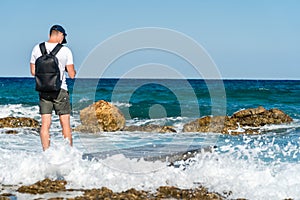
x=43 y=48
x=56 y=49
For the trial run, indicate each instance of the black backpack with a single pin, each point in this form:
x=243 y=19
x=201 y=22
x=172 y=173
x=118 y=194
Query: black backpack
x=47 y=73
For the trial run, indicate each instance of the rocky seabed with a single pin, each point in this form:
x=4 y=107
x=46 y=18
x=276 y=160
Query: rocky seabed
x=48 y=186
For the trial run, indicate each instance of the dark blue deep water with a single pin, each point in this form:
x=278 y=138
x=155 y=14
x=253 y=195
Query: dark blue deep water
x=173 y=95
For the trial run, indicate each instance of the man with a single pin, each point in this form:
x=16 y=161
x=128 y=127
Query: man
x=61 y=102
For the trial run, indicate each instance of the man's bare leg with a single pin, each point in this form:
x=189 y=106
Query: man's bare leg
x=44 y=132
x=66 y=127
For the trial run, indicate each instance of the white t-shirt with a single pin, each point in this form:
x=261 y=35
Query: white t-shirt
x=64 y=57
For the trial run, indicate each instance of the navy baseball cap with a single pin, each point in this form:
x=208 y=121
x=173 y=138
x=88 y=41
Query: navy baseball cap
x=60 y=29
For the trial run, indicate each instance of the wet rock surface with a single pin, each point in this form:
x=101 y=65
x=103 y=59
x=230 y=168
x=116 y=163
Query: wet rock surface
x=165 y=153
x=88 y=129
x=245 y=121
x=150 y=128
x=18 y=122
x=102 y=116
x=11 y=132
x=7 y=196
x=163 y=192
x=44 y=186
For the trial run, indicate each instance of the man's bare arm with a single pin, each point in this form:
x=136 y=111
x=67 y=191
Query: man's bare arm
x=71 y=71
x=32 y=69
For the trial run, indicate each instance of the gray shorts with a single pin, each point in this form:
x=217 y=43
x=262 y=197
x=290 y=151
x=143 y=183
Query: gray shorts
x=57 y=101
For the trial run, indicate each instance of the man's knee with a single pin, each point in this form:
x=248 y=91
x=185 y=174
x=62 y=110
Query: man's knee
x=65 y=120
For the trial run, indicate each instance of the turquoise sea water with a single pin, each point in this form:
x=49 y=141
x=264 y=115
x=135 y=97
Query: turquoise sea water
x=265 y=166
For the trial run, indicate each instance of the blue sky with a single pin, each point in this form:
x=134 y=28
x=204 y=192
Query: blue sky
x=246 y=39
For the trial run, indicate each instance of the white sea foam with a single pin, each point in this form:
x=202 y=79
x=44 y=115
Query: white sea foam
x=176 y=122
x=19 y=110
x=219 y=172
x=121 y=105
x=295 y=124
x=84 y=99
x=246 y=178
x=263 y=89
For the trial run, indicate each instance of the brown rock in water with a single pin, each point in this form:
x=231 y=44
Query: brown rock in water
x=249 y=112
x=245 y=121
x=279 y=116
x=103 y=115
x=163 y=192
x=7 y=196
x=150 y=128
x=18 y=122
x=207 y=124
x=44 y=186
x=11 y=132
x=88 y=129
x=257 y=117
x=167 y=192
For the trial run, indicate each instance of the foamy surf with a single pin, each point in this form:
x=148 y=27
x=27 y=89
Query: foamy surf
x=247 y=178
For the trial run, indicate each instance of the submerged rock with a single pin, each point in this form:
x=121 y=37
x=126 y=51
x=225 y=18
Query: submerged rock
x=18 y=122
x=44 y=186
x=103 y=115
x=244 y=121
x=163 y=192
x=167 y=192
x=151 y=128
x=206 y=124
x=7 y=196
x=88 y=129
x=11 y=132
